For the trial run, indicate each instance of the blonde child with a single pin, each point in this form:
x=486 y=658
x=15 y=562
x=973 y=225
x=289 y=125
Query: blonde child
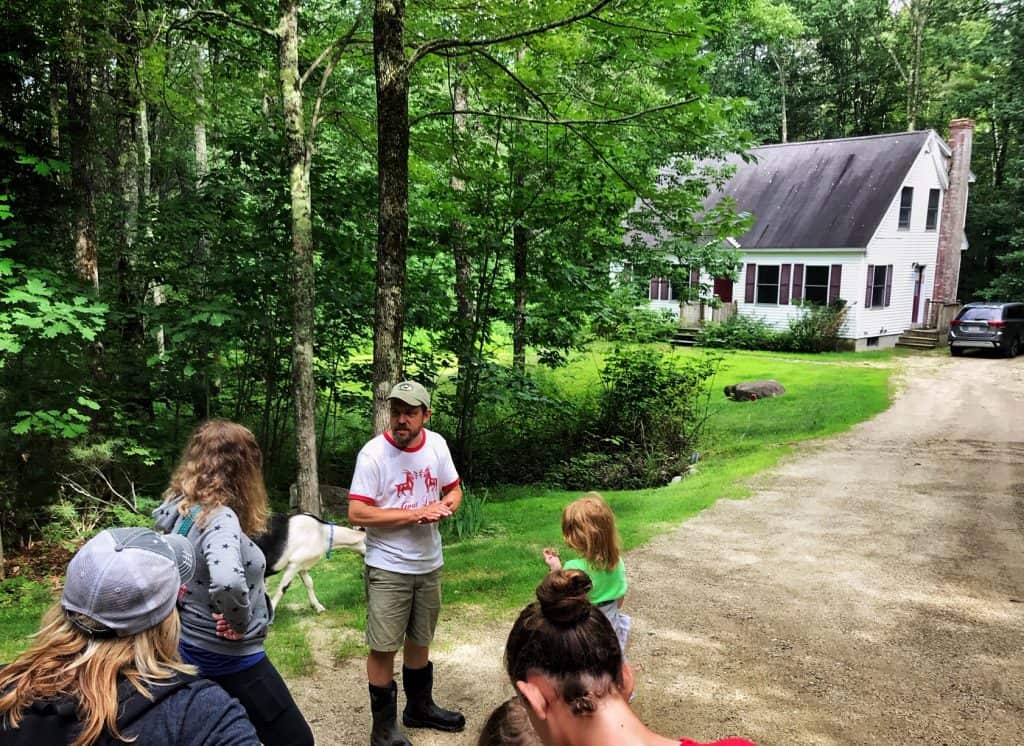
x=588 y=526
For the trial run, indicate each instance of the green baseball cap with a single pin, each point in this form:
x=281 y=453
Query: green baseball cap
x=411 y=393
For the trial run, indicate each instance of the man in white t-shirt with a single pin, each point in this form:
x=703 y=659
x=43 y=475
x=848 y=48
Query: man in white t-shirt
x=404 y=484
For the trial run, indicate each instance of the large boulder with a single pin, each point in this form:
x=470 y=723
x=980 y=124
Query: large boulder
x=753 y=390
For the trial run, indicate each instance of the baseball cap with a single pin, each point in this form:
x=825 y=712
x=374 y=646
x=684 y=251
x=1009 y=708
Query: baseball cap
x=126 y=580
x=411 y=393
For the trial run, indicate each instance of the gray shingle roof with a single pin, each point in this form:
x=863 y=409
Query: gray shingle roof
x=826 y=194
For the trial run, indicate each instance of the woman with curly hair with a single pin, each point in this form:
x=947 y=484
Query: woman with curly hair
x=104 y=666
x=218 y=500
x=566 y=662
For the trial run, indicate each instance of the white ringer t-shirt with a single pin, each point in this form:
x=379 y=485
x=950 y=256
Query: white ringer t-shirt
x=391 y=477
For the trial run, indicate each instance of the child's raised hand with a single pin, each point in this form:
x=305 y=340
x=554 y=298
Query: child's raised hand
x=551 y=558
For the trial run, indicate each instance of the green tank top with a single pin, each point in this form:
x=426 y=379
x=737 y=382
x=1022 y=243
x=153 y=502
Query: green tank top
x=609 y=585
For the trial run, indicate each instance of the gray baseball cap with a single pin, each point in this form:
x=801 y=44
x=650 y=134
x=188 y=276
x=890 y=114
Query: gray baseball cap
x=126 y=580
x=411 y=393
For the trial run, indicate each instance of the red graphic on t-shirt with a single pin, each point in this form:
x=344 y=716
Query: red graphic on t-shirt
x=405 y=488
x=429 y=480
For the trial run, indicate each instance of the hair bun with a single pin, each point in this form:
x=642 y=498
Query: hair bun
x=563 y=597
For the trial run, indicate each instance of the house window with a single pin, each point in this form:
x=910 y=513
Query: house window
x=931 y=220
x=661 y=289
x=816 y=285
x=878 y=285
x=906 y=201
x=767 y=284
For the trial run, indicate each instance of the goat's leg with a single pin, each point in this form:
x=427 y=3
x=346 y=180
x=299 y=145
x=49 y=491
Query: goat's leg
x=313 y=601
x=286 y=580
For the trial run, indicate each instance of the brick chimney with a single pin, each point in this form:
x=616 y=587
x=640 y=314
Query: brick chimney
x=954 y=212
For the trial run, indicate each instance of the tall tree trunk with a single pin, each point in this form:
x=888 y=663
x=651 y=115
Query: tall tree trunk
x=520 y=248
x=782 y=95
x=299 y=157
x=133 y=373
x=202 y=385
x=78 y=75
x=148 y=206
x=392 y=78
x=465 y=308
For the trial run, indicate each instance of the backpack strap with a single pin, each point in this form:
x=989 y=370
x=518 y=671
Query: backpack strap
x=188 y=521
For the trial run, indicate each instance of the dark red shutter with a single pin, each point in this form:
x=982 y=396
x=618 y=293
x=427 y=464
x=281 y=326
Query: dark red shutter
x=748 y=295
x=835 y=281
x=784 y=284
x=694 y=277
x=888 y=284
x=871 y=277
x=798 y=282
x=652 y=289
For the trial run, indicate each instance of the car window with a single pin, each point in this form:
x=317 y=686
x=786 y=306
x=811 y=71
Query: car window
x=979 y=314
x=1015 y=312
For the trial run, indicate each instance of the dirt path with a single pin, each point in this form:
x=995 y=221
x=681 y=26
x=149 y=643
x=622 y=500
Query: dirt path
x=870 y=591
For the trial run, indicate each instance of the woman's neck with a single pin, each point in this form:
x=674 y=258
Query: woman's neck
x=614 y=722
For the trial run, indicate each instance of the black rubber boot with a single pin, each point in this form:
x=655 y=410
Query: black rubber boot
x=384 y=706
x=420 y=710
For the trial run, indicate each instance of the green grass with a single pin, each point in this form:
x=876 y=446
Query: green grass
x=496 y=572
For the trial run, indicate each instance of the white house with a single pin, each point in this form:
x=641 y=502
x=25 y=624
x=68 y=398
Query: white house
x=876 y=221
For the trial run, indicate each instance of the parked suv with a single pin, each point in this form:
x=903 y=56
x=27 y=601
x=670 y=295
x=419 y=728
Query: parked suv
x=988 y=326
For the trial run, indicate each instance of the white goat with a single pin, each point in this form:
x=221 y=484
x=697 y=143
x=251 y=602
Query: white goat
x=295 y=543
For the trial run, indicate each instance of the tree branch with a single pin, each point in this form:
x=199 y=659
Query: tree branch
x=338 y=47
x=571 y=127
x=220 y=15
x=556 y=122
x=436 y=45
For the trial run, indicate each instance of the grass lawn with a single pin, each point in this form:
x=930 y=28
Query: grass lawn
x=492 y=574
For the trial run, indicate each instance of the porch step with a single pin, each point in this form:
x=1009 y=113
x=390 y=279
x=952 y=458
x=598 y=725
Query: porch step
x=685 y=337
x=919 y=339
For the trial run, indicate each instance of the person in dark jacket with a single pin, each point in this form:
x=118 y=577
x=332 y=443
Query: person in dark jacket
x=104 y=667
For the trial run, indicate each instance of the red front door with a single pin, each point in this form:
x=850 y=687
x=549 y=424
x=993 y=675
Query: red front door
x=723 y=289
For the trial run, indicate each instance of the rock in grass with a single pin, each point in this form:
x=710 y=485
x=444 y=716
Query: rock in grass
x=754 y=390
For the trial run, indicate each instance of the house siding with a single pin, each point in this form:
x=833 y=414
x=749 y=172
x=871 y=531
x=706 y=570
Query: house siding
x=778 y=316
x=902 y=249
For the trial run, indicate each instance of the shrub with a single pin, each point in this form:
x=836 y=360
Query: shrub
x=653 y=402
x=468 y=520
x=739 y=333
x=652 y=410
x=629 y=319
x=817 y=329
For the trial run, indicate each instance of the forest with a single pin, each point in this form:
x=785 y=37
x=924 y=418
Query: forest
x=272 y=212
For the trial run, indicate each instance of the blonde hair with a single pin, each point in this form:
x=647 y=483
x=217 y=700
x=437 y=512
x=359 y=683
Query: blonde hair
x=222 y=465
x=65 y=661
x=588 y=526
x=509 y=725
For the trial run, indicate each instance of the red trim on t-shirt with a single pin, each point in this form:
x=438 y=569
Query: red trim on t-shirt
x=362 y=499
x=449 y=487
x=423 y=442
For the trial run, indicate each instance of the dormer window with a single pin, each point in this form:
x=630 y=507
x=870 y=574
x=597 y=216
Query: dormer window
x=931 y=220
x=906 y=202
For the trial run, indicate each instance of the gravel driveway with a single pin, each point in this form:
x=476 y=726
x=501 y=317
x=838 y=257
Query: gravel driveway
x=870 y=591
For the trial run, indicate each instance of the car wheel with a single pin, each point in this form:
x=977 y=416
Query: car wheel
x=1014 y=348
x=956 y=351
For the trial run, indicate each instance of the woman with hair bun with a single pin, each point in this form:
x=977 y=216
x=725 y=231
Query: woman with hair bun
x=565 y=660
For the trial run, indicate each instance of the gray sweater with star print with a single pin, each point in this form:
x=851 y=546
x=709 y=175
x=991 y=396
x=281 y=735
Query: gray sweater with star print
x=228 y=580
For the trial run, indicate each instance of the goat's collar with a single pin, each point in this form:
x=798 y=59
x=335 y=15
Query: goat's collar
x=330 y=539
